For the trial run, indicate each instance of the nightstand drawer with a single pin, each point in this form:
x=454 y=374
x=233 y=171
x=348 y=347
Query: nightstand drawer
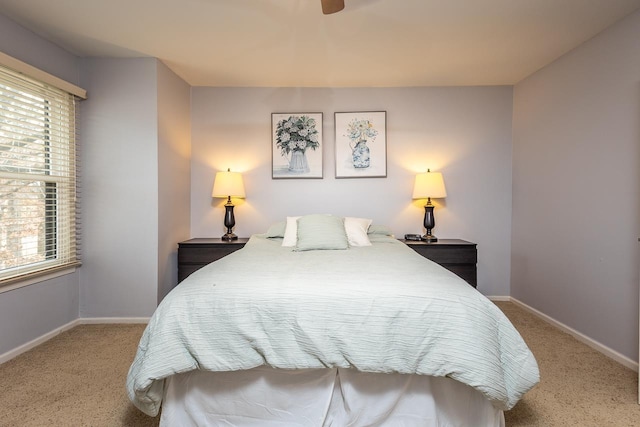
x=448 y=254
x=194 y=254
x=185 y=270
x=204 y=255
x=466 y=271
x=457 y=256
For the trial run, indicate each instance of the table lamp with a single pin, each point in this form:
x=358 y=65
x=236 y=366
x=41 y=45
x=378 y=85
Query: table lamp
x=428 y=185
x=228 y=184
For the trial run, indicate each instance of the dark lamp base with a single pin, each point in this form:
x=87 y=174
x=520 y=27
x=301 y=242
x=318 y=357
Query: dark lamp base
x=229 y=237
x=429 y=239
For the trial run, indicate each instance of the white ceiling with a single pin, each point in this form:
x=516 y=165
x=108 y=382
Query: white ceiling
x=371 y=43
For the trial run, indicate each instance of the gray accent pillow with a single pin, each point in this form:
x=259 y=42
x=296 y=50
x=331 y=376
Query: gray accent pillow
x=276 y=230
x=321 y=232
x=379 y=229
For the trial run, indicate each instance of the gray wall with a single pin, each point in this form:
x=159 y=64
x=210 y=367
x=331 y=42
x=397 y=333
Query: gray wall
x=464 y=132
x=28 y=47
x=29 y=312
x=119 y=275
x=174 y=173
x=136 y=161
x=576 y=187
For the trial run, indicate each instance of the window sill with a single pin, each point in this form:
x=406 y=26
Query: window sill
x=38 y=279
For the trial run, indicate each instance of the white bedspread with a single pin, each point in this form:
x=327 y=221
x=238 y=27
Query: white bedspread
x=381 y=308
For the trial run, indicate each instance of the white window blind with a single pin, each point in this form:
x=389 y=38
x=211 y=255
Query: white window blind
x=38 y=178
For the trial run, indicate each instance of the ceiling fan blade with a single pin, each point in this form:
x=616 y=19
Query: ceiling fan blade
x=332 y=6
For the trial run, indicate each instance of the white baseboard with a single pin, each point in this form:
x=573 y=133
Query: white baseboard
x=612 y=354
x=499 y=298
x=81 y=321
x=36 y=342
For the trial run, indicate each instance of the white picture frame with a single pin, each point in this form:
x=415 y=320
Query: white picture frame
x=296 y=145
x=361 y=144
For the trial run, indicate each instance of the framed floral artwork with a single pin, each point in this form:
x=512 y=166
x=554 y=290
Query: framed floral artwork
x=361 y=144
x=296 y=145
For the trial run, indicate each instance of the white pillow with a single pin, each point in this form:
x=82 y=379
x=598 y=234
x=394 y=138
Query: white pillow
x=356 y=229
x=291 y=231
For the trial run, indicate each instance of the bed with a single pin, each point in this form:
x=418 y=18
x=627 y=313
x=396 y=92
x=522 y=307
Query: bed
x=328 y=321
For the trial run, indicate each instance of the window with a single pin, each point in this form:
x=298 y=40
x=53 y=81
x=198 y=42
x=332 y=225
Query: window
x=38 y=224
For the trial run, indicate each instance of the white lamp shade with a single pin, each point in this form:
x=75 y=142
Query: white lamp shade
x=228 y=184
x=429 y=184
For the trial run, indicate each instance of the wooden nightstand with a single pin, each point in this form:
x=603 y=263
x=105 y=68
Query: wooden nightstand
x=457 y=256
x=194 y=254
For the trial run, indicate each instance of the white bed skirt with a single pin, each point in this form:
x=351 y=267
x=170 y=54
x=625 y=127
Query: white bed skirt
x=267 y=397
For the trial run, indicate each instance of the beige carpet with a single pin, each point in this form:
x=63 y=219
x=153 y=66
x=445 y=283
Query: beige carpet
x=579 y=386
x=77 y=379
